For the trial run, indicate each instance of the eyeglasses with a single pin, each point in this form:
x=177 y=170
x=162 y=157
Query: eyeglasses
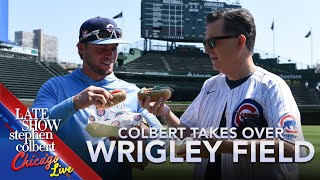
x=212 y=41
x=109 y=33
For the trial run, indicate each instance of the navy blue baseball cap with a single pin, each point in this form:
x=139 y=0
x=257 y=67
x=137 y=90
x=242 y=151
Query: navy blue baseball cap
x=100 y=30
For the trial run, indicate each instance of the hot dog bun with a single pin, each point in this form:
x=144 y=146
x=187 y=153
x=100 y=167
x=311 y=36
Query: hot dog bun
x=155 y=93
x=118 y=97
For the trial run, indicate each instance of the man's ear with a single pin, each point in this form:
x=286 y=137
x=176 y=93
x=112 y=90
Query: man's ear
x=81 y=48
x=241 y=41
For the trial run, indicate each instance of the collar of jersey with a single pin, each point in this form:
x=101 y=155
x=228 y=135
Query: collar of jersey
x=79 y=74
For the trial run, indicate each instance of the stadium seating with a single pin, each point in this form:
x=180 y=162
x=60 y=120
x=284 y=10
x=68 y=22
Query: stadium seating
x=55 y=68
x=23 y=77
x=180 y=71
x=172 y=63
x=195 y=63
x=190 y=64
x=318 y=95
x=185 y=89
x=304 y=95
x=149 y=62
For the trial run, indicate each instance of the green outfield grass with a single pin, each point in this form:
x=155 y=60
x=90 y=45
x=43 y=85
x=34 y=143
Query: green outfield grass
x=166 y=171
x=311 y=170
x=179 y=102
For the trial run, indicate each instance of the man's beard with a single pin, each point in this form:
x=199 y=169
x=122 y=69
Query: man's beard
x=95 y=68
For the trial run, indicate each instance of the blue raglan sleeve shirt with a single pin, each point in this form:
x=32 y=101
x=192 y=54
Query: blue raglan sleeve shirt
x=47 y=98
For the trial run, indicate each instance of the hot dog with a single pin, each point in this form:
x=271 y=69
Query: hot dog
x=155 y=93
x=118 y=97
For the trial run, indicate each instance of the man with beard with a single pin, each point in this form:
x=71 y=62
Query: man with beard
x=69 y=97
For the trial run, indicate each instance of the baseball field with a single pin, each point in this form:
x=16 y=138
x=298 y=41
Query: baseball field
x=168 y=171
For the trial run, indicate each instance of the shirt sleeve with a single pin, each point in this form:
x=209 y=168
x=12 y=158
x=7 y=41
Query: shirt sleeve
x=151 y=119
x=282 y=111
x=191 y=116
x=48 y=98
x=154 y=123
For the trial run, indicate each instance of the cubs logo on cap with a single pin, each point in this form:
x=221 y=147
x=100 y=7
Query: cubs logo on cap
x=84 y=32
x=100 y=30
x=247 y=108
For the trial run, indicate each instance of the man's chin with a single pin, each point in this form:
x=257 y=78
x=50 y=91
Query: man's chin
x=107 y=70
x=106 y=73
x=103 y=72
x=214 y=67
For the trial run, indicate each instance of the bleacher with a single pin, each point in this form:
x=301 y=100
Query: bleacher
x=149 y=62
x=185 y=89
x=173 y=64
x=318 y=94
x=55 y=68
x=177 y=63
x=183 y=63
x=304 y=95
x=23 y=77
x=190 y=64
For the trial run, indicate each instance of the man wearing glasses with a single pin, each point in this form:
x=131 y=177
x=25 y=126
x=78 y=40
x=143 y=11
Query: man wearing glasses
x=242 y=95
x=69 y=97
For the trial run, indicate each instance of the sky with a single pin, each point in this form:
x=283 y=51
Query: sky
x=293 y=19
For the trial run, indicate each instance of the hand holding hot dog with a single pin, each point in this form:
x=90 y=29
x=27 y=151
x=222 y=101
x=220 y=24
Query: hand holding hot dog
x=154 y=99
x=155 y=93
x=99 y=97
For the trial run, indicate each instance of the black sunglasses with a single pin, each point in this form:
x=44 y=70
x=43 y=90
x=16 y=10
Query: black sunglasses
x=212 y=41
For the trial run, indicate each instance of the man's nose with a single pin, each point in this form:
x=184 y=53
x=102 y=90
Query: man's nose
x=110 y=54
x=208 y=49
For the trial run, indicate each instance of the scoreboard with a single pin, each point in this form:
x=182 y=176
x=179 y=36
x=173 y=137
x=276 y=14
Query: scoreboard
x=177 y=20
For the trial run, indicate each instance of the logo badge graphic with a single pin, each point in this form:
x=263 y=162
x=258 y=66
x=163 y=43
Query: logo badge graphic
x=92 y=118
x=110 y=26
x=115 y=123
x=209 y=92
x=100 y=112
x=289 y=124
x=247 y=108
x=128 y=126
x=84 y=32
x=118 y=114
x=137 y=117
